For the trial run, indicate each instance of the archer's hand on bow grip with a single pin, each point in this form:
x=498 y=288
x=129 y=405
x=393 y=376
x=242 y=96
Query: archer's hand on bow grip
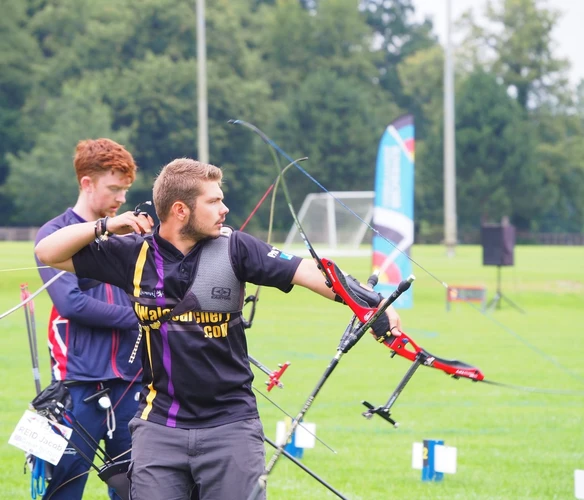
x=370 y=297
x=381 y=324
x=384 y=325
x=353 y=336
x=374 y=299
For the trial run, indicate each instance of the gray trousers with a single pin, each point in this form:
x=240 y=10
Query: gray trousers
x=218 y=463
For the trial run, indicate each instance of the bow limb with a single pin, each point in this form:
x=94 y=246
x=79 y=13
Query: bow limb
x=274 y=375
x=274 y=149
x=273 y=188
x=403 y=345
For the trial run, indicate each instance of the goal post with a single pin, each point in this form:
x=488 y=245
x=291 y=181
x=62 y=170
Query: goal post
x=330 y=225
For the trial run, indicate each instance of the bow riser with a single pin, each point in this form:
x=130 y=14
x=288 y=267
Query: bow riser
x=399 y=345
x=338 y=283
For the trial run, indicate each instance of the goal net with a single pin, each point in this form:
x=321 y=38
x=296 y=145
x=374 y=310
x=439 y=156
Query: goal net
x=330 y=226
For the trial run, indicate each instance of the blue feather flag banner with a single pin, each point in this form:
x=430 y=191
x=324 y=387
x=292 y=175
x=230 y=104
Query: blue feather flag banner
x=393 y=208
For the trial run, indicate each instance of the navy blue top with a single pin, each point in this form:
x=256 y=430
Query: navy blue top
x=92 y=327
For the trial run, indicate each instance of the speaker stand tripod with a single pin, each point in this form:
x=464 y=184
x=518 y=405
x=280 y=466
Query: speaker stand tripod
x=495 y=302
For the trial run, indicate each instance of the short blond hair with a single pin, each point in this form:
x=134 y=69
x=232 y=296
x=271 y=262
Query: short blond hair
x=180 y=180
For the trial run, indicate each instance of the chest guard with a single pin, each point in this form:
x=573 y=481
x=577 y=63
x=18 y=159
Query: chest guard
x=215 y=286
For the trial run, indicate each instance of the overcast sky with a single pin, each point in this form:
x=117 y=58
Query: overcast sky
x=568 y=35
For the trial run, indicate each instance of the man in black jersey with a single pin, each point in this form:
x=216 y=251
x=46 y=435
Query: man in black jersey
x=197 y=432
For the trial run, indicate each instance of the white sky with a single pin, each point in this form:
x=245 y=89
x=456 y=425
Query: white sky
x=568 y=35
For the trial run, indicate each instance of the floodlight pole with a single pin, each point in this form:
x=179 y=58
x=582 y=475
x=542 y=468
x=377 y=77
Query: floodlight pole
x=450 y=236
x=203 y=132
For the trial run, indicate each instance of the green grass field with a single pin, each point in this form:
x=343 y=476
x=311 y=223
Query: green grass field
x=510 y=444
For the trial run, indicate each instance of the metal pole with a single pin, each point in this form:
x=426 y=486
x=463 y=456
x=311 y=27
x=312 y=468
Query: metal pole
x=450 y=236
x=32 y=340
x=203 y=132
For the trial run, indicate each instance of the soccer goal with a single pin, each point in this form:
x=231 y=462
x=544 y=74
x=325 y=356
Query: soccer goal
x=331 y=226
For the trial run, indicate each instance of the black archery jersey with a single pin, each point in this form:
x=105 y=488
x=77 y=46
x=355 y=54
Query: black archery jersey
x=196 y=369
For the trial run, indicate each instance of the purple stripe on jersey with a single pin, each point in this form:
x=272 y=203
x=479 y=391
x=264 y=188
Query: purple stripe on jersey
x=166 y=360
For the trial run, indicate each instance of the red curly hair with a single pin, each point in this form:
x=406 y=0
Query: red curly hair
x=95 y=157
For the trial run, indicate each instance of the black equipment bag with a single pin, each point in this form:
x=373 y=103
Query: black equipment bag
x=53 y=401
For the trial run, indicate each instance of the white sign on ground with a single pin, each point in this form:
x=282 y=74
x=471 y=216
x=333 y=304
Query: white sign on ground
x=304 y=435
x=418 y=456
x=579 y=484
x=444 y=458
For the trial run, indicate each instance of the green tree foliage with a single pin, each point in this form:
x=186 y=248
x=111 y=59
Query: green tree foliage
x=559 y=157
x=238 y=89
x=495 y=160
x=321 y=68
x=155 y=99
x=494 y=156
x=42 y=182
x=296 y=43
x=515 y=43
x=77 y=36
x=396 y=37
x=323 y=78
x=579 y=101
x=18 y=56
x=337 y=123
x=423 y=73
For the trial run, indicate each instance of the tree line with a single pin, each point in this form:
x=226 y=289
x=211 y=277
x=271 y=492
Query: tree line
x=323 y=78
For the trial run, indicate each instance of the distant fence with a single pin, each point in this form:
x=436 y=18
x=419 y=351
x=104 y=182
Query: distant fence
x=18 y=233
x=550 y=238
x=466 y=237
x=473 y=237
